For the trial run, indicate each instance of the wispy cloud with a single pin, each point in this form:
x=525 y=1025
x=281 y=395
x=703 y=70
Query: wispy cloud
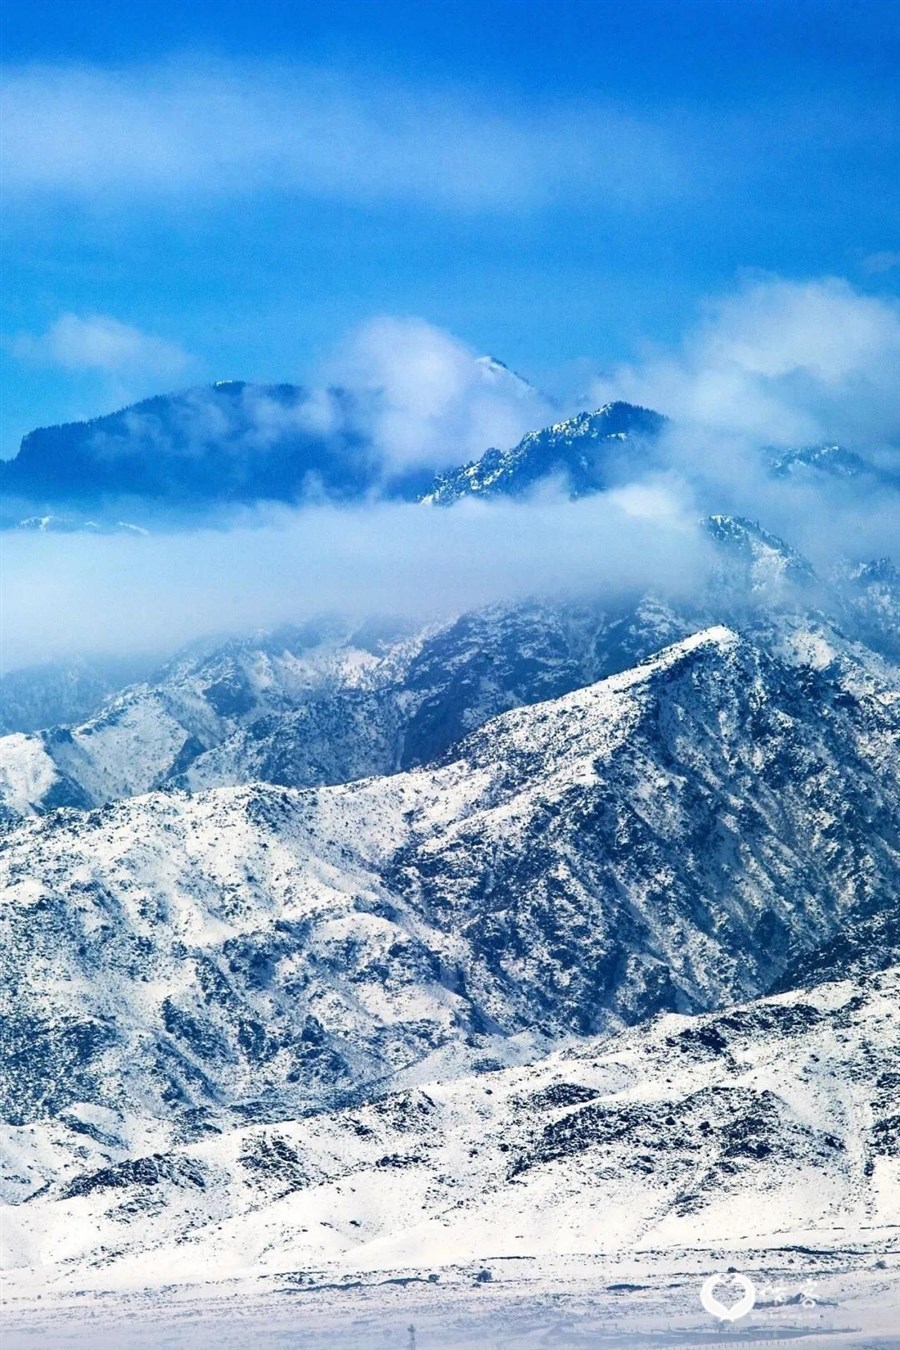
x=883 y=261
x=104 y=362
x=97 y=342
x=783 y=363
x=217 y=128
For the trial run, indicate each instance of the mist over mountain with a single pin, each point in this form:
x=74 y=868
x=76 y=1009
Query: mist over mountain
x=180 y=457
x=333 y=699
x=450 y=675
x=177 y=457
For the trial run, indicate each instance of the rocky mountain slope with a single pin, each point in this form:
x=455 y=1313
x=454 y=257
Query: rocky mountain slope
x=777 y=1117
x=150 y=731
x=584 y=452
x=555 y=926
x=327 y=702
x=670 y=838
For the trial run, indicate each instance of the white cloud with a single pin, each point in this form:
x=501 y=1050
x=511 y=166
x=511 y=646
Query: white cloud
x=179 y=128
x=66 y=593
x=781 y=361
x=428 y=398
x=98 y=343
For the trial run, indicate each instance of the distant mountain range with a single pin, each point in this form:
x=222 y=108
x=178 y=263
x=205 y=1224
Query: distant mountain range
x=180 y=456
x=226 y=443
x=230 y=443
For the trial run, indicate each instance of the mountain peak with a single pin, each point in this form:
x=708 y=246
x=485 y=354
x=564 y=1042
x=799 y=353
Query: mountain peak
x=582 y=449
x=598 y=719
x=767 y=558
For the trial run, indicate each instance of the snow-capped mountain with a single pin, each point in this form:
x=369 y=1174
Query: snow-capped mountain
x=830 y=460
x=151 y=731
x=325 y=703
x=556 y=925
x=584 y=452
x=671 y=838
x=497 y=375
x=76 y=525
x=870 y=595
x=763 y=561
x=598 y=449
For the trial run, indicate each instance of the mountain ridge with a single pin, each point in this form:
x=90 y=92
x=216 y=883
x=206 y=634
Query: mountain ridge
x=331 y=701
x=229 y=443
x=234 y=443
x=377 y=947
x=580 y=450
x=571 y=867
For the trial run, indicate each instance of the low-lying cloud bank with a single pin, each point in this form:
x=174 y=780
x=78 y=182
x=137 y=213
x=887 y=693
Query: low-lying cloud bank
x=68 y=593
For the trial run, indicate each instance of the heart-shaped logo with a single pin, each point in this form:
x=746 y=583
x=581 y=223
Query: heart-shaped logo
x=721 y=1310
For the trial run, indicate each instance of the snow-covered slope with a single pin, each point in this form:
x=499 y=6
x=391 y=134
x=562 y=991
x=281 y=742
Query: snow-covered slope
x=152 y=731
x=671 y=838
x=775 y=1118
x=557 y=927
x=583 y=452
x=328 y=705
x=870 y=595
x=760 y=559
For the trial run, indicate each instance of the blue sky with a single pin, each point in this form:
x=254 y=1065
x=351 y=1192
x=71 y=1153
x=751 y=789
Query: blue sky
x=199 y=192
